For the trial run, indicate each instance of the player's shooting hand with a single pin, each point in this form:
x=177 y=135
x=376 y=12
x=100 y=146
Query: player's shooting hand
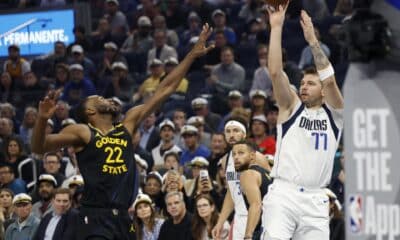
x=308 y=28
x=277 y=16
x=200 y=48
x=48 y=105
x=216 y=231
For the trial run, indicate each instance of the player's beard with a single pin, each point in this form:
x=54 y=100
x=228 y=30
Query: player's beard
x=242 y=167
x=112 y=109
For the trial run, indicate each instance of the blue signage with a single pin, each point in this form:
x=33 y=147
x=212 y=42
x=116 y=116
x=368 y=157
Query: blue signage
x=36 y=32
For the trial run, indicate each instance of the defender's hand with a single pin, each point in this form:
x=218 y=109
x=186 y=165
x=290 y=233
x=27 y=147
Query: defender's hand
x=48 y=105
x=200 y=48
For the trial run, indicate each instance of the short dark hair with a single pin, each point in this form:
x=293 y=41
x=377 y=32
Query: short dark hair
x=7 y=165
x=52 y=154
x=310 y=70
x=63 y=191
x=80 y=112
x=174 y=154
x=227 y=48
x=252 y=146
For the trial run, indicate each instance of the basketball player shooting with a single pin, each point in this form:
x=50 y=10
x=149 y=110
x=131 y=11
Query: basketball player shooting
x=105 y=152
x=309 y=128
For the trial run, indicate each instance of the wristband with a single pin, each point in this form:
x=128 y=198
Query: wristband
x=326 y=73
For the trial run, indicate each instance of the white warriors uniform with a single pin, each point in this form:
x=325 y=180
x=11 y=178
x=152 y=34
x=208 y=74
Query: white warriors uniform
x=233 y=180
x=296 y=206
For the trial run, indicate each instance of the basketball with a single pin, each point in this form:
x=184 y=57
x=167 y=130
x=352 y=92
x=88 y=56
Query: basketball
x=275 y=3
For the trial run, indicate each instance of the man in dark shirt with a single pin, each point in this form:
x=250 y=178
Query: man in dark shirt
x=179 y=225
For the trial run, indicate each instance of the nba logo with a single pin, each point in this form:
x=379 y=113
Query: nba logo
x=355 y=213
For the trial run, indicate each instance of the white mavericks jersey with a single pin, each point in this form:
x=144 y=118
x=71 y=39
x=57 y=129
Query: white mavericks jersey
x=306 y=145
x=233 y=180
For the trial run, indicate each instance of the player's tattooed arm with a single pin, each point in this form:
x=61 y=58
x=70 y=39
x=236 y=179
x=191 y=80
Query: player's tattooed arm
x=320 y=59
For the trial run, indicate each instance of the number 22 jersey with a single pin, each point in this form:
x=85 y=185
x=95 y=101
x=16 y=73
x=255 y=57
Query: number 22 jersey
x=306 y=145
x=109 y=170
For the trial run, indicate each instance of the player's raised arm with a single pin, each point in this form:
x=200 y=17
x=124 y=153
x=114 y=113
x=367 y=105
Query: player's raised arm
x=285 y=96
x=250 y=185
x=170 y=83
x=67 y=137
x=325 y=70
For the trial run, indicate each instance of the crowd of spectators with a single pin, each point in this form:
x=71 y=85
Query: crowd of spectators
x=133 y=46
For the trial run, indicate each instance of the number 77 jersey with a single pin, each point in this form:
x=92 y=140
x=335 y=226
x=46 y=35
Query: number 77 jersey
x=306 y=145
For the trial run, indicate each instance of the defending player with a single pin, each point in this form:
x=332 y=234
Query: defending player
x=254 y=182
x=309 y=129
x=235 y=131
x=105 y=153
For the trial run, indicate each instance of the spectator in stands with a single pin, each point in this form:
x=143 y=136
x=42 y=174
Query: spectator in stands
x=317 y=9
x=198 y=122
x=6 y=131
x=147 y=8
x=194 y=23
x=152 y=187
x=205 y=218
x=25 y=130
x=30 y=92
x=61 y=76
x=15 y=154
x=173 y=181
x=122 y=84
x=200 y=108
x=7 y=213
x=235 y=100
x=46 y=186
x=178 y=226
x=80 y=38
x=147 y=225
x=8 y=180
x=160 y=50
x=193 y=148
x=140 y=40
x=78 y=87
x=59 y=55
x=219 y=20
x=26 y=223
x=7 y=88
x=171 y=161
x=7 y=110
x=166 y=145
x=258 y=134
x=225 y=77
x=251 y=10
x=261 y=79
x=73 y=183
x=152 y=82
x=179 y=119
x=343 y=8
x=172 y=37
x=78 y=57
x=101 y=35
x=221 y=179
x=15 y=65
x=52 y=166
x=201 y=7
x=291 y=69
x=306 y=59
x=174 y=14
x=111 y=55
x=142 y=152
x=258 y=103
x=150 y=134
x=61 y=223
x=118 y=22
x=272 y=119
x=214 y=56
x=218 y=149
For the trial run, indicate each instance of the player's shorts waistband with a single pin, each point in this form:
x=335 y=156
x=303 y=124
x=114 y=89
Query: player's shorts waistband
x=296 y=187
